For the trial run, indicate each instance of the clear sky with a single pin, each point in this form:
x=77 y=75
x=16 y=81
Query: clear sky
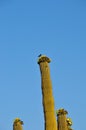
x=51 y=27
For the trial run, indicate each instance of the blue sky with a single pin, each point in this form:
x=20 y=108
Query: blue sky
x=51 y=27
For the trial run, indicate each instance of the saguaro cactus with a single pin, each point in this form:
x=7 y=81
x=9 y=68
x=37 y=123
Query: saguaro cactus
x=17 y=124
x=48 y=100
x=62 y=119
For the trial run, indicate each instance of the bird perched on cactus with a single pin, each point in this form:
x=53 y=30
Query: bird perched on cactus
x=17 y=124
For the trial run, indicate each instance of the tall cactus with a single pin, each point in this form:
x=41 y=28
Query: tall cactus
x=48 y=100
x=17 y=124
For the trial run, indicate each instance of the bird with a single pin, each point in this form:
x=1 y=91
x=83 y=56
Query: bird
x=17 y=124
x=39 y=55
